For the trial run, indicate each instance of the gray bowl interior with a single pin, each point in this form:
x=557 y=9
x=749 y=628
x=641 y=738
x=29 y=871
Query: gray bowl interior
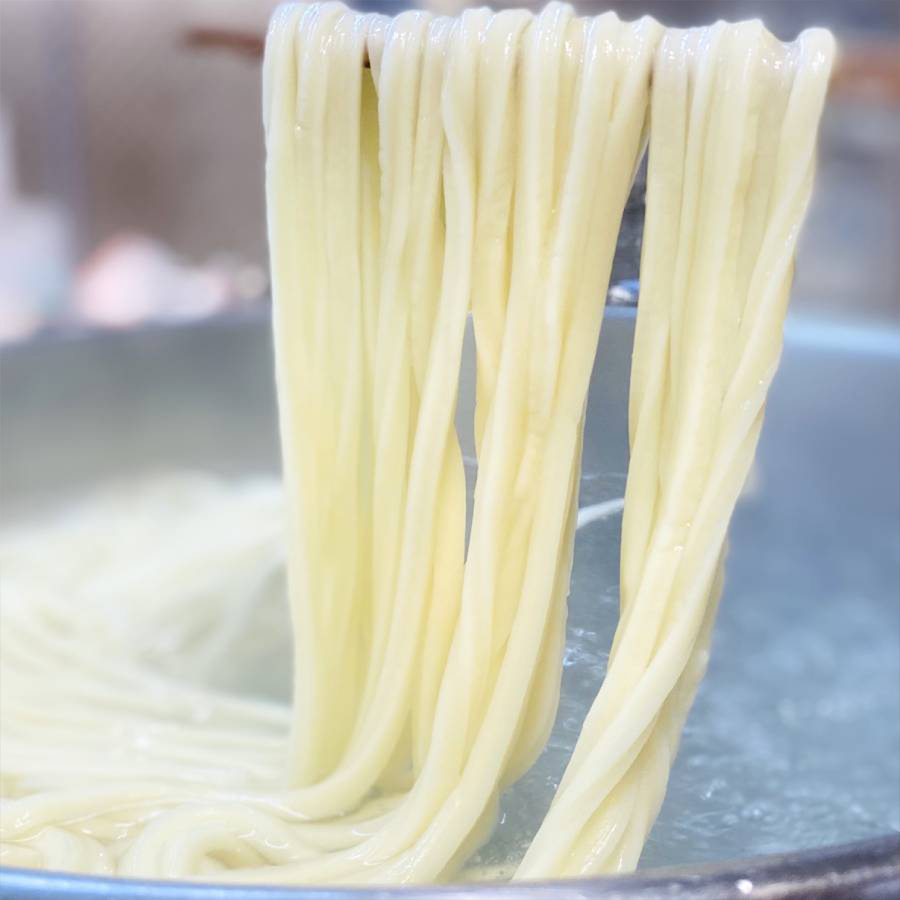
x=794 y=741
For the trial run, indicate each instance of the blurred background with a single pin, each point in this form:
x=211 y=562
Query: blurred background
x=131 y=159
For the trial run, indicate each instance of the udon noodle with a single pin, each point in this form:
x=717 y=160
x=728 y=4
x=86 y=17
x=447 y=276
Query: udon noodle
x=421 y=170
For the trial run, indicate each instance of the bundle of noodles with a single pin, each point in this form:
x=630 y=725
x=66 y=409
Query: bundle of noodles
x=475 y=165
x=732 y=151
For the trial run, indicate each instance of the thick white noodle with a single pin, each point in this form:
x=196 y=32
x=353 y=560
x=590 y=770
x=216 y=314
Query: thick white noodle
x=421 y=169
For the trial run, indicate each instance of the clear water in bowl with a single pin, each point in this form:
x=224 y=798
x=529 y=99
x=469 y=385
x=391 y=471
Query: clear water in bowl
x=794 y=740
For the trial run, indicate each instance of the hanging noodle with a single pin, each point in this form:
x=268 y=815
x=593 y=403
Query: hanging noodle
x=420 y=170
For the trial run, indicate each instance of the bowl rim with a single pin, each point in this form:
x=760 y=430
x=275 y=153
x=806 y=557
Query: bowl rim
x=868 y=870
